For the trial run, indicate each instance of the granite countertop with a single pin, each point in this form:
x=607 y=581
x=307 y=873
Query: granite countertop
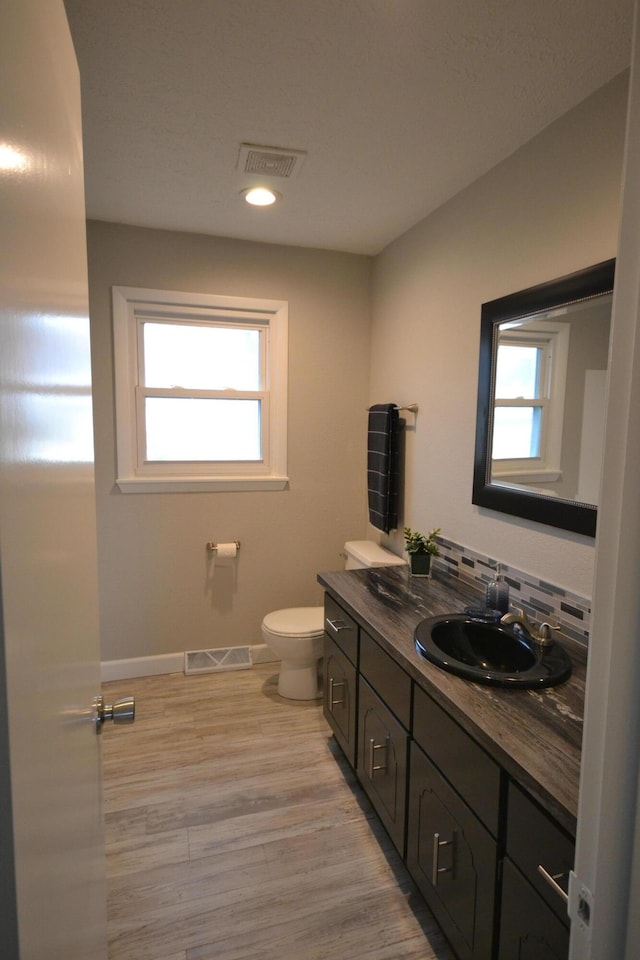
x=535 y=735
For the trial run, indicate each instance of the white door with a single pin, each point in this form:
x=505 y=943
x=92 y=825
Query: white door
x=52 y=880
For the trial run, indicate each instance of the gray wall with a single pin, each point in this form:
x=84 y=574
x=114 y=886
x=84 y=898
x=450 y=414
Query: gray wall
x=550 y=208
x=158 y=593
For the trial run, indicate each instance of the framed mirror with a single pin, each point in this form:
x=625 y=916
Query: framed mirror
x=541 y=398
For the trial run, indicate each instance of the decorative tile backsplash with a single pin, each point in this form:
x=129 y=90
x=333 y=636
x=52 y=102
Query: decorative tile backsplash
x=540 y=600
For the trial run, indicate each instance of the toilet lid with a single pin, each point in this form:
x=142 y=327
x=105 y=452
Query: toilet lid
x=296 y=622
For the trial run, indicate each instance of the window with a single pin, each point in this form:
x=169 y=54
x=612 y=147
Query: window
x=520 y=399
x=531 y=370
x=201 y=391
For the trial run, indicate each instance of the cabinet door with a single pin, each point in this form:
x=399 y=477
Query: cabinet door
x=452 y=857
x=382 y=761
x=529 y=929
x=339 y=693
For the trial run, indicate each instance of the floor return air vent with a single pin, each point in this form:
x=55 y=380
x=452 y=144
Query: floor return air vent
x=214 y=661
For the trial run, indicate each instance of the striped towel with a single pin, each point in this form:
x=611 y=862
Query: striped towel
x=383 y=447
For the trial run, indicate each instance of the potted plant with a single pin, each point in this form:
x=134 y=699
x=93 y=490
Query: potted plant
x=421 y=548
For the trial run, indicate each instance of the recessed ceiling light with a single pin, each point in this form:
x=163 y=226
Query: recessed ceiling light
x=260 y=196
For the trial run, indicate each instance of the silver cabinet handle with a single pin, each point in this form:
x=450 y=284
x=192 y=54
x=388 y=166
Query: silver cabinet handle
x=337 y=625
x=373 y=746
x=332 y=685
x=436 y=868
x=121 y=711
x=553 y=882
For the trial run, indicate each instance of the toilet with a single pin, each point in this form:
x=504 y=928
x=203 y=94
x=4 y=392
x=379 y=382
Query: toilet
x=295 y=634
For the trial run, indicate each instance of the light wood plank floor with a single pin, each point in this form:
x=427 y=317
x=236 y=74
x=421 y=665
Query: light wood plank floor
x=236 y=831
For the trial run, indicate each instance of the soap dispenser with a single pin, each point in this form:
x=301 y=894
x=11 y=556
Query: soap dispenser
x=497 y=597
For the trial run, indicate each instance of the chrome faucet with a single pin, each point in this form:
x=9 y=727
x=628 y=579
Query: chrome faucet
x=542 y=634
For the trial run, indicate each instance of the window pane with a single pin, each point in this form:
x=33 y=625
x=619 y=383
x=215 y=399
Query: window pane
x=517 y=372
x=201 y=357
x=516 y=433
x=196 y=429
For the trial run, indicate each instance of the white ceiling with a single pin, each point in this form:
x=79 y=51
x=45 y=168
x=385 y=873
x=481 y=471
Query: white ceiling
x=399 y=104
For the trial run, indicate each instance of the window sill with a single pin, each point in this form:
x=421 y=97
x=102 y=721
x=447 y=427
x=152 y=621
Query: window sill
x=199 y=484
x=526 y=476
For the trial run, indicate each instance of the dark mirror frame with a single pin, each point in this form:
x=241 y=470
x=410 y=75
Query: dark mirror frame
x=565 y=514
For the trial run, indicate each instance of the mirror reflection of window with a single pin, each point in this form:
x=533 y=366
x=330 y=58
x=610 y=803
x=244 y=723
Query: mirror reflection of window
x=519 y=401
x=530 y=387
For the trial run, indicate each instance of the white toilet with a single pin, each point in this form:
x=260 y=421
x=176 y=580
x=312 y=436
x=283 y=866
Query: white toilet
x=295 y=634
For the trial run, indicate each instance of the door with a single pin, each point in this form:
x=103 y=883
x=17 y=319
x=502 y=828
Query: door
x=452 y=858
x=52 y=881
x=339 y=686
x=382 y=761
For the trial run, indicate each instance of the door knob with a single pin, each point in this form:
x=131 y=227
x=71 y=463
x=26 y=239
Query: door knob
x=121 y=711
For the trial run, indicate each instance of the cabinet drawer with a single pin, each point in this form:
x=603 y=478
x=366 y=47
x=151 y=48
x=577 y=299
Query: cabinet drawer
x=535 y=839
x=464 y=763
x=382 y=762
x=339 y=697
x=453 y=859
x=387 y=678
x=528 y=927
x=341 y=628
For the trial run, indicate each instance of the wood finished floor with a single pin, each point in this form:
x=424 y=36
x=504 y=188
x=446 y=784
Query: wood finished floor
x=236 y=831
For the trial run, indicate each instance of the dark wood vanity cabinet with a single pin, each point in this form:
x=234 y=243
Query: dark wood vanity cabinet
x=473 y=840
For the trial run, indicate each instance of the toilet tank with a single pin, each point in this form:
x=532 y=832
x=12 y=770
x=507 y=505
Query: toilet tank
x=366 y=553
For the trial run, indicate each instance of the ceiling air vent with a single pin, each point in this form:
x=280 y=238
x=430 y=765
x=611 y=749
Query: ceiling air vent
x=270 y=161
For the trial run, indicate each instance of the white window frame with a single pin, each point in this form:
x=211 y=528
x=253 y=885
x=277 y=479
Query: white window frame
x=131 y=307
x=553 y=338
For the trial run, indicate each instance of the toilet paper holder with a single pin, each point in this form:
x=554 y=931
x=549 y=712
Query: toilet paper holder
x=213 y=547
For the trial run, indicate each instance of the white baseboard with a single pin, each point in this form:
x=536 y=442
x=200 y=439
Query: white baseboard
x=142 y=666
x=166 y=663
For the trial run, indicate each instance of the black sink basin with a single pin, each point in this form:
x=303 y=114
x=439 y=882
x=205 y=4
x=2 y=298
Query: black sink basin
x=490 y=652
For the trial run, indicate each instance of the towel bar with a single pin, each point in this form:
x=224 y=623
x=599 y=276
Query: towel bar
x=411 y=407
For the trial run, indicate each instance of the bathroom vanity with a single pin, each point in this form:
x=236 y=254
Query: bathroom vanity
x=477 y=786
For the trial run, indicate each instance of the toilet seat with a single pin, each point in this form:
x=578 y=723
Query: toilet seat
x=304 y=622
